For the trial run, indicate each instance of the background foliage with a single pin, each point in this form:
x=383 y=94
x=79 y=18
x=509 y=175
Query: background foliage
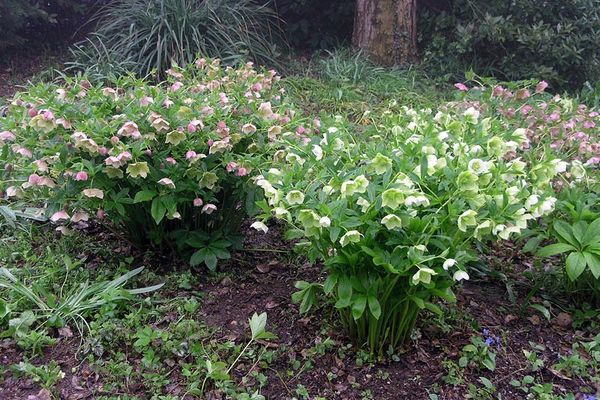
x=553 y=40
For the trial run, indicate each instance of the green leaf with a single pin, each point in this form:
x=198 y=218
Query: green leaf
x=463 y=362
x=157 y=210
x=4 y=309
x=565 y=232
x=358 y=306
x=374 y=306
x=592 y=234
x=553 y=249
x=593 y=261
x=198 y=257
x=344 y=289
x=434 y=308
x=144 y=195
x=329 y=284
x=541 y=309
x=532 y=244
x=258 y=323
x=575 y=265
x=489 y=363
x=211 y=261
x=579 y=229
x=486 y=382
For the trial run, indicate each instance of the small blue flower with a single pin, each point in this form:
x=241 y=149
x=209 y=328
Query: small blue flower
x=489 y=341
x=589 y=397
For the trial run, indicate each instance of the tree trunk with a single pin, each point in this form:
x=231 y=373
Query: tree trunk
x=386 y=30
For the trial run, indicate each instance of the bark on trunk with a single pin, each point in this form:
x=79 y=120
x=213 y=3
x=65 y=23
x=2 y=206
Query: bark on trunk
x=387 y=30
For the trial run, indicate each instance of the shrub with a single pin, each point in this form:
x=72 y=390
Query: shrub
x=156 y=162
x=394 y=213
x=25 y=21
x=149 y=35
x=516 y=40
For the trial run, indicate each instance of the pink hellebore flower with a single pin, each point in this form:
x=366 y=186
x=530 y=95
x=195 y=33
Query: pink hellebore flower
x=59 y=215
x=47 y=115
x=170 y=160
x=190 y=154
x=176 y=86
x=41 y=165
x=541 y=87
x=198 y=202
x=167 y=182
x=146 y=101
x=522 y=94
x=231 y=166
x=174 y=74
x=80 y=216
x=24 y=152
x=242 y=171
x=193 y=125
x=100 y=214
x=209 y=208
x=130 y=129
x=526 y=109
x=461 y=86
x=81 y=176
x=34 y=179
x=65 y=124
x=265 y=110
x=167 y=103
x=248 y=129
x=8 y=136
x=589 y=124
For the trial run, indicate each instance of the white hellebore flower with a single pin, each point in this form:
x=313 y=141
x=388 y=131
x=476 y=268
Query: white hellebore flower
x=460 y=275
x=450 y=262
x=478 y=166
x=259 y=226
x=467 y=219
x=318 y=152
x=325 y=222
x=471 y=115
x=295 y=197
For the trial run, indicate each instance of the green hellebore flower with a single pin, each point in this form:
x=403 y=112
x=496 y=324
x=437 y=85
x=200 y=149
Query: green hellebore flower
x=467 y=219
x=138 y=169
x=350 y=237
x=423 y=275
x=175 y=137
x=381 y=164
x=392 y=198
x=208 y=180
x=392 y=222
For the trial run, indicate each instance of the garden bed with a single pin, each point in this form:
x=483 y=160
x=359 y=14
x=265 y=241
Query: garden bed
x=310 y=358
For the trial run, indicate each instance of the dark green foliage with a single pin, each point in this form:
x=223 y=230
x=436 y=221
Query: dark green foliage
x=26 y=21
x=144 y=36
x=316 y=24
x=554 y=40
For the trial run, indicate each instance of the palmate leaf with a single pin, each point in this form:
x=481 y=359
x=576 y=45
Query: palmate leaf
x=576 y=263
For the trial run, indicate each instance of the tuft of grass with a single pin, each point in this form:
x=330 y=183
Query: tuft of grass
x=146 y=37
x=348 y=83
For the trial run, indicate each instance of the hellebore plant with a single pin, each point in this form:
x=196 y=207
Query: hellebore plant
x=165 y=164
x=394 y=212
